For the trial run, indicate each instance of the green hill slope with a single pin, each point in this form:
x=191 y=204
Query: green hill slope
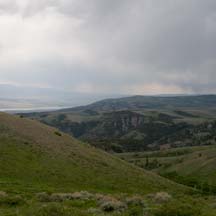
x=36 y=157
x=192 y=166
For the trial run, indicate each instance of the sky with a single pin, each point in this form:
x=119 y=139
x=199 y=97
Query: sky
x=109 y=46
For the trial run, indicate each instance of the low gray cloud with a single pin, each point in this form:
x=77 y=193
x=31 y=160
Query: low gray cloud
x=123 y=46
x=8 y=6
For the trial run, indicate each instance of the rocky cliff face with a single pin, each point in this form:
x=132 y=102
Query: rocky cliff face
x=122 y=121
x=119 y=130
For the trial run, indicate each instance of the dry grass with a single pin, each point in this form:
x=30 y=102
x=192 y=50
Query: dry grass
x=162 y=197
x=43 y=197
x=3 y=194
x=109 y=203
x=83 y=195
x=60 y=197
x=105 y=203
x=135 y=201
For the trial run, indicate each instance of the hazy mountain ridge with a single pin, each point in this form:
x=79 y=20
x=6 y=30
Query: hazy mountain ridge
x=150 y=102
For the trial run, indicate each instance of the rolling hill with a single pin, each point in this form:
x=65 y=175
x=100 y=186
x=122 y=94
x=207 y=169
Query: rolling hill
x=192 y=166
x=150 y=102
x=45 y=172
x=79 y=179
x=139 y=123
x=35 y=157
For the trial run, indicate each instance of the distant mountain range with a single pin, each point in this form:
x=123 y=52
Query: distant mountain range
x=151 y=102
x=20 y=98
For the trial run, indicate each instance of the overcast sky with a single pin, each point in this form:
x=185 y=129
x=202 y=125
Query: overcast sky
x=109 y=46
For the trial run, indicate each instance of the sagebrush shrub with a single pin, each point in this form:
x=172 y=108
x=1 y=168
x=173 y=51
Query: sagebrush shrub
x=135 y=201
x=43 y=197
x=113 y=205
x=11 y=200
x=60 y=197
x=162 y=197
x=82 y=195
x=3 y=194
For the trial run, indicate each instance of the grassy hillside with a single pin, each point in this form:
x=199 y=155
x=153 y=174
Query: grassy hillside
x=192 y=166
x=35 y=156
x=79 y=179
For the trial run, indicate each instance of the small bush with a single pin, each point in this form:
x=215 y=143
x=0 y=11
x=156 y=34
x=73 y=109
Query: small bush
x=99 y=197
x=58 y=133
x=135 y=201
x=162 y=197
x=43 y=197
x=11 y=200
x=104 y=198
x=56 y=197
x=3 y=194
x=83 y=195
x=111 y=206
x=60 y=197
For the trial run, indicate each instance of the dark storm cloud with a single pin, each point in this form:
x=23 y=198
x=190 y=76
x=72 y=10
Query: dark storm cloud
x=8 y=6
x=141 y=46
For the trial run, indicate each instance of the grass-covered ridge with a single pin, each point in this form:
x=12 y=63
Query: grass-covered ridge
x=192 y=166
x=44 y=172
x=33 y=157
